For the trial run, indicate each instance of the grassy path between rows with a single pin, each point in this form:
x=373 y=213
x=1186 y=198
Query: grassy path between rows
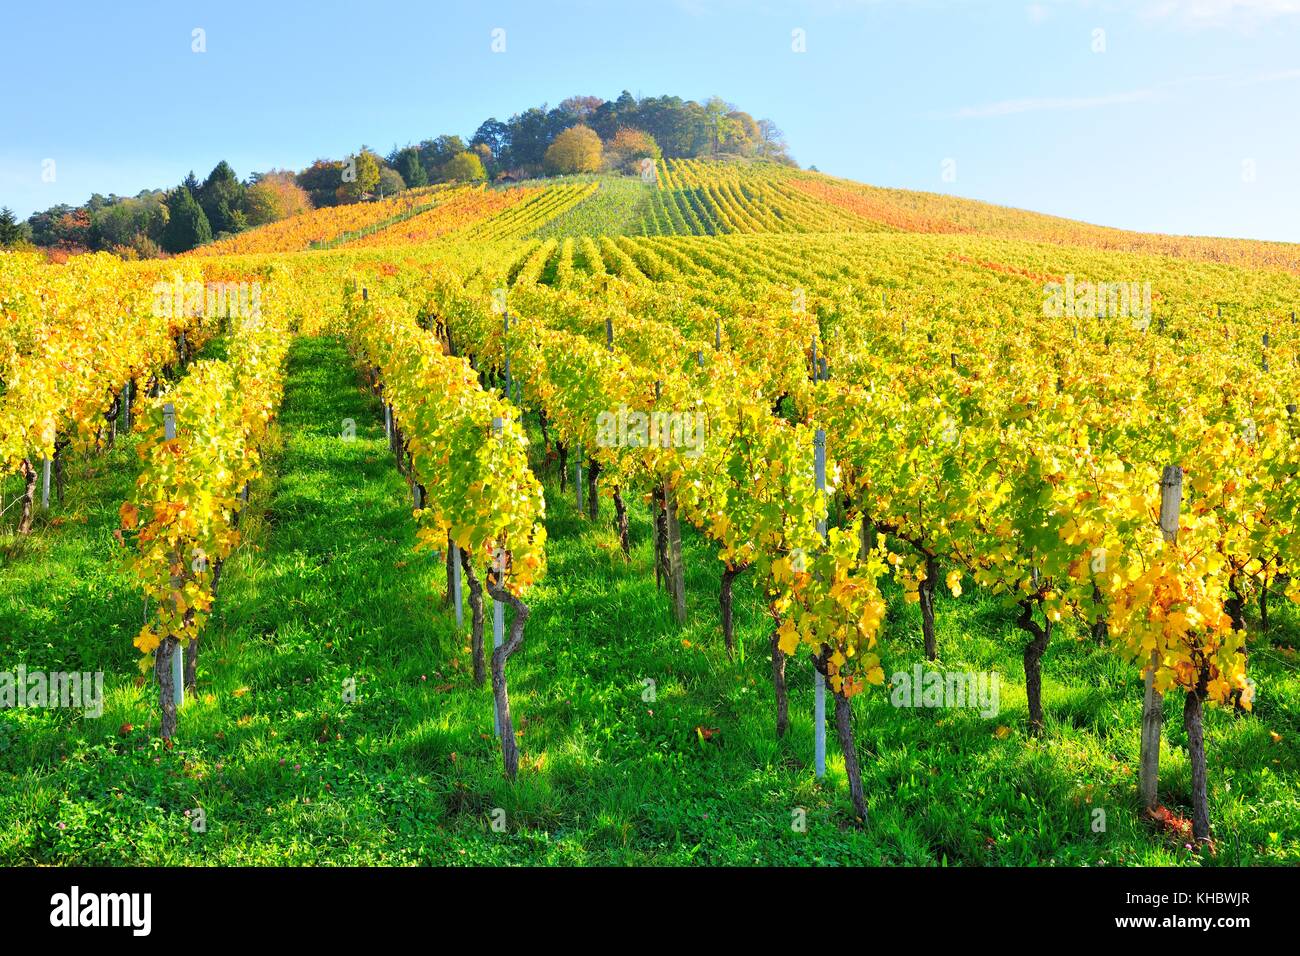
x=328 y=596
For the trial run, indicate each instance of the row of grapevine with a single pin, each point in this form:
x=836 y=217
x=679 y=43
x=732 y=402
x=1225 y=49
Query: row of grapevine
x=459 y=210
x=700 y=198
x=323 y=226
x=468 y=465
x=200 y=450
x=79 y=342
x=526 y=217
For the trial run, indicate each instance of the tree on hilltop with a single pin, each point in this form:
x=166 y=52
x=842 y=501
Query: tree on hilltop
x=576 y=150
x=464 y=167
x=360 y=176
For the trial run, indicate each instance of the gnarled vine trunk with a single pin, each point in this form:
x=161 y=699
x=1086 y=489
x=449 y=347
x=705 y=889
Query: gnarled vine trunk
x=925 y=591
x=844 y=726
x=620 y=521
x=28 y=471
x=729 y=575
x=844 y=731
x=1236 y=604
x=593 y=499
x=110 y=420
x=502 y=654
x=162 y=668
x=778 y=680
x=1100 y=627
x=59 y=447
x=1039 y=636
x=1192 y=723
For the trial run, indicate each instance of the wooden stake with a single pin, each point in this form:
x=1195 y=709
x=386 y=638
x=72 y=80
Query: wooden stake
x=676 y=570
x=178 y=655
x=577 y=475
x=453 y=555
x=819 y=681
x=505 y=345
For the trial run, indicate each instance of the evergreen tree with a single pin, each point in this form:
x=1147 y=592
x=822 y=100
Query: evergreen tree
x=408 y=165
x=222 y=196
x=187 y=226
x=10 y=231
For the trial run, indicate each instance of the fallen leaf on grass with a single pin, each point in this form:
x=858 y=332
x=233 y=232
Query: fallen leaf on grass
x=1170 y=822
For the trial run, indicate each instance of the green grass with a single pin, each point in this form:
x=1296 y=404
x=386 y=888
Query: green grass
x=327 y=589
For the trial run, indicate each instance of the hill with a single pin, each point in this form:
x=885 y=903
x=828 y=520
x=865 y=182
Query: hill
x=694 y=197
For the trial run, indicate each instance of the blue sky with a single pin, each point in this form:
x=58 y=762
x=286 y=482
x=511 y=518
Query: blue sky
x=1182 y=117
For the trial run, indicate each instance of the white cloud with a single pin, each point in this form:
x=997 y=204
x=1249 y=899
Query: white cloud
x=1244 y=14
x=1045 y=104
x=1055 y=104
x=1277 y=76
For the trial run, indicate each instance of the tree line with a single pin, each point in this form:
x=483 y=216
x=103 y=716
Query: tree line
x=583 y=134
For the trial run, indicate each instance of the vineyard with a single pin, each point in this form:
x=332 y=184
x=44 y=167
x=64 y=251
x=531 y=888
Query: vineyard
x=728 y=513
